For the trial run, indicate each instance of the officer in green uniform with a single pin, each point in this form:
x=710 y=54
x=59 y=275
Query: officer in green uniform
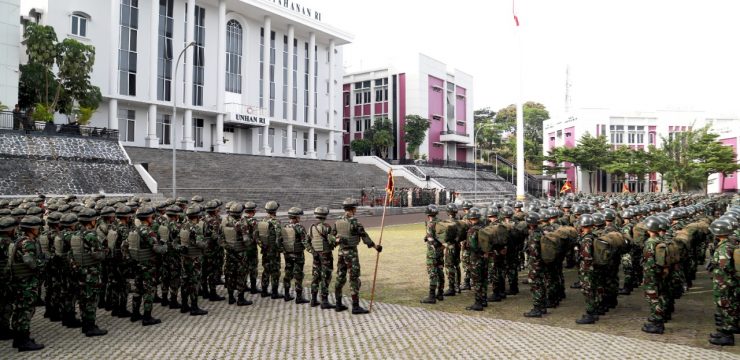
x=212 y=231
x=192 y=244
x=236 y=255
x=88 y=254
x=478 y=266
x=103 y=225
x=26 y=263
x=434 y=258
x=465 y=249
x=7 y=237
x=269 y=232
x=120 y=265
x=586 y=271
x=320 y=245
x=293 y=243
x=452 y=255
x=171 y=261
x=655 y=278
x=536 y=266
x=349 y=232
x=249 y=226
x=143 y=243
x=70 y=288
x=53 y=280
x=724 y=284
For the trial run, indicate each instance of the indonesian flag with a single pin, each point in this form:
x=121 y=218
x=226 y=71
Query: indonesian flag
x=390 y=186
x=513 y=11
x=566 y=187
x=625 y=188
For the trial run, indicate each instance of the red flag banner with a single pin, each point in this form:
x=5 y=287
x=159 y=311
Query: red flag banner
x=390 y=185
x=513 y=11
x=625 y=188
x=566 y=187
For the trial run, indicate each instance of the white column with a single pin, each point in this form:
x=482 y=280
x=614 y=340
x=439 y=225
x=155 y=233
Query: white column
x=113 y=114
x=391 y=114
x=265 y=146
x=221 y=78
x=187 y=136
x=291 y=150
x=331 y=155
x=311 y=81
x=153 y=47
x=311 y=132
x=151 y=140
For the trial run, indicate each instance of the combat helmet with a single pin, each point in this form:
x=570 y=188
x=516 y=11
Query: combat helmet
x=250 y=206
x=474 y=213
x=321 y=212
x=349 y=203
x=431 y=210
x=720 y=227
x=236 y=209
x=295 y=212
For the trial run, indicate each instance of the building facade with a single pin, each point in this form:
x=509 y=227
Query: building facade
x=262 y=76
x=635 y=129
x=10 y=34
x=424 y=87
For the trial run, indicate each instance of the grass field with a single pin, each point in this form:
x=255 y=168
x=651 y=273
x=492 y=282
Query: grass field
x=402 y=280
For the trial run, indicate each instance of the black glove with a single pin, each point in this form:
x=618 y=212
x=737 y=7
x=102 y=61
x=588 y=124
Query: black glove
x=379 y=248
x=183 y=250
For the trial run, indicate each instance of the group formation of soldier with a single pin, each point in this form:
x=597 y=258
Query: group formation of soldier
x=93 y=254
x=658 y=242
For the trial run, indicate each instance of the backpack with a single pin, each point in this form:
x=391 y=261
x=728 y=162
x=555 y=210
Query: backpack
x=607 y=247
x=639 y=234
x=736 y=258
x=493 y=235
x=447 y=231
x=550 y=247
x=667 y=253
x=288 y=234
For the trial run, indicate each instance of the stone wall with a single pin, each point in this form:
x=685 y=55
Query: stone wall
x=36 y=163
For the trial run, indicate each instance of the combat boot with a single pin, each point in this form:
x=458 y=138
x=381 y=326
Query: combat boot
x=173 y=301
x=71 y=321
x=325 y=304
x=586 y=319
x=213 y=296
x=466 y=285
x=122 y=310
x=495 y=297
x=253 y=288
x=722 y=339
x=195 y=310
x=625 y=291
x=339 y=307
x=287 y=296
x=450 y=291
x=534 y=313
x=431 y=299
x=25 y=343
x=440 y=294
x=356 y=308
x=185 y=308
x=314 y=299
x=135 y=314
x=299 y=299
x=202 y=292
x=56 y=315
x=241 y=301
x=90 y=329
x=513 y=289
x=109 y=304
x=576 y=285
x=148 y=320
x=264 y=292
x=651 y=327
x=232 y=299
x=275 y=293
x=477 y=306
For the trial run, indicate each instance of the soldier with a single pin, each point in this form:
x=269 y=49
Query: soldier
x=171 y=261
x=452 y=255
x=536 y=266
x=104 y=225
x=269 y=232
x=26 y=262
x=586 y=271
x=349 y=232
x=88 y=255
x=497 y=261
x=213 y=235
x=515 y=246
x=631 y=259
x=236 y=256
x=654 y=278
x=7 y=236
x=120 y=265
x=724 y=284
x=321 y=244
x=193 y=242
x=554 y=275
x=143 y=243
x=465 y=248
x=249 y=224
x=478 y=266
x=293 y=242
x=435 y=257
x=160 y=225
x=52 y=278
x=70 y=289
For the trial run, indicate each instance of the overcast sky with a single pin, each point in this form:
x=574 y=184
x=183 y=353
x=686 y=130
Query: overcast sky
x=623 y=54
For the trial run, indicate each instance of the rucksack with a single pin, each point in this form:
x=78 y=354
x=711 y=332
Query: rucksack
x=550 y=247
x=667 y=253
x=447 y=231
x=639 y=234
x=607 y=247
x=493 y=235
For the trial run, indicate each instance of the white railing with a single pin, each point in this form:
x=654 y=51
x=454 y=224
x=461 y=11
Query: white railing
x=398 y=170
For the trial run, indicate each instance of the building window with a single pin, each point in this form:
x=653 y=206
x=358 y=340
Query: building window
x=651 y=138
x=295 y=141
x=126 y=125
x=262 y=68
x=260 y=134
x=294 y=114
x=271 y=138
x=315 y=142
x=567 y=135
x=234 y=34
x=305 y=143
x=164 y=56
x=327 y=146
x=199 y=56
x=640 y=138
x=346 y=99
x=368 y=124
x=129 y=24
x=198 y=132
x=285 y=78
x=272 y=73
x=79 y=25
x=381 y=90
x=306 y=67
x=285 y=141
x=164 y=129
x=450 y=101
x=358 y=125
x=315 y=85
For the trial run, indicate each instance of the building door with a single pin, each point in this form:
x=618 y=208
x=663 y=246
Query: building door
x=228 y=140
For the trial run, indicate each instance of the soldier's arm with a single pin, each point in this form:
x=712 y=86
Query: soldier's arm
x=364 y=236
x=307 y=240
x=28 y=253
x=278 y=235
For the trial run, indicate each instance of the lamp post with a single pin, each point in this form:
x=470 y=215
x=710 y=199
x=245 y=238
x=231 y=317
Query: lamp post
x=174 y=120
x=475 y=159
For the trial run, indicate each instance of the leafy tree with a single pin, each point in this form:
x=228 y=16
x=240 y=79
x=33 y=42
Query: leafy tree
x=73 y=62
x=503 y=140
x=361 y=147
x=709 y=156
x=590 y=155
x=380 y=136
x=658 y=161
x=415 y=131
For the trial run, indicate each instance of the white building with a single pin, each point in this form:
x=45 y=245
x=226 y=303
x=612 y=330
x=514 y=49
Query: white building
x=264 y=76
x=413 y=85
x=10 y=34
x=638 y=130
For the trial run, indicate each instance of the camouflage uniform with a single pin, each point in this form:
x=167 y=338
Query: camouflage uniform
x=172 y=265
x=25 y=286
x=478 y=265
x=655 y=281
x=270 y=255
x=235 y=270
x=294 y=261
x=452 y=261
x=89 y=276
x=52 y=277
x=537 y=269
x=348 y=260
x=191 y=264
x=587 y=273
x=249 y=226
x=321 y=244
x=6 y=294
x=434 y=260
x=145 y=274
x=101 y=229
x=514 y=248
x=465 y=260
x=120 y=271
x=211 y=273
x=631 y=261
x=70 y=287
x=497 y=271
x=724 y=285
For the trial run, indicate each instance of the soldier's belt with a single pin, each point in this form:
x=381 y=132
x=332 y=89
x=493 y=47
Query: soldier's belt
x=21 y=271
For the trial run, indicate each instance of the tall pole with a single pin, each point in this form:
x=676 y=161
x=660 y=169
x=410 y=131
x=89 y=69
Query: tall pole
x=520 y=194
x=173 y=131
x=475 y=159
x=377 y=255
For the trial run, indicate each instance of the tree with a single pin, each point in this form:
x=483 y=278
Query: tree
x=380 y=137
x=361 y=147
x=504 y=141
x=709 y=156
x=658 y=161
x=590 y=155
x=50 y=92
x=415 y=132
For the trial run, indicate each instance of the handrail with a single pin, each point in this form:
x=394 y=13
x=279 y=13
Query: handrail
x=12 y=121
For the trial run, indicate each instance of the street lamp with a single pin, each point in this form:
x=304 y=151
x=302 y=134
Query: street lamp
x=174 y=120
x=475 y=159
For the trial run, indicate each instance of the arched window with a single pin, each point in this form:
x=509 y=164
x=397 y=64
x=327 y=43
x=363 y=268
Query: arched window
x=79 y=23
x=234 y=57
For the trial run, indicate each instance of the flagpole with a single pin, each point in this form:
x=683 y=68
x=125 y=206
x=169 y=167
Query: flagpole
x=377 y=254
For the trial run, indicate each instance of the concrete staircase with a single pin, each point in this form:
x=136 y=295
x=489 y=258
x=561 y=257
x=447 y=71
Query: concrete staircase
x=291 y=182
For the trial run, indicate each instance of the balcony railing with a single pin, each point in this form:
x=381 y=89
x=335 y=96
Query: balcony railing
x=20 y=122
x=453 y=132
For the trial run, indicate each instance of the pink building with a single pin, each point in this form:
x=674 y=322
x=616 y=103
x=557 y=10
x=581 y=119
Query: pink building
x=426 y=88
x=638 y=130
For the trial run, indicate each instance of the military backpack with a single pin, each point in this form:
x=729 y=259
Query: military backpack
x=447 y=231
x=667 y=253
x=288 y=233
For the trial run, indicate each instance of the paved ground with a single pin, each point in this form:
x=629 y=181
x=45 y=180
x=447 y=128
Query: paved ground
x=274 y=329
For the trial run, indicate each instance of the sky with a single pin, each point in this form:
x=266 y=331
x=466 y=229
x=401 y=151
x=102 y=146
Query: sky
x=625 y=54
